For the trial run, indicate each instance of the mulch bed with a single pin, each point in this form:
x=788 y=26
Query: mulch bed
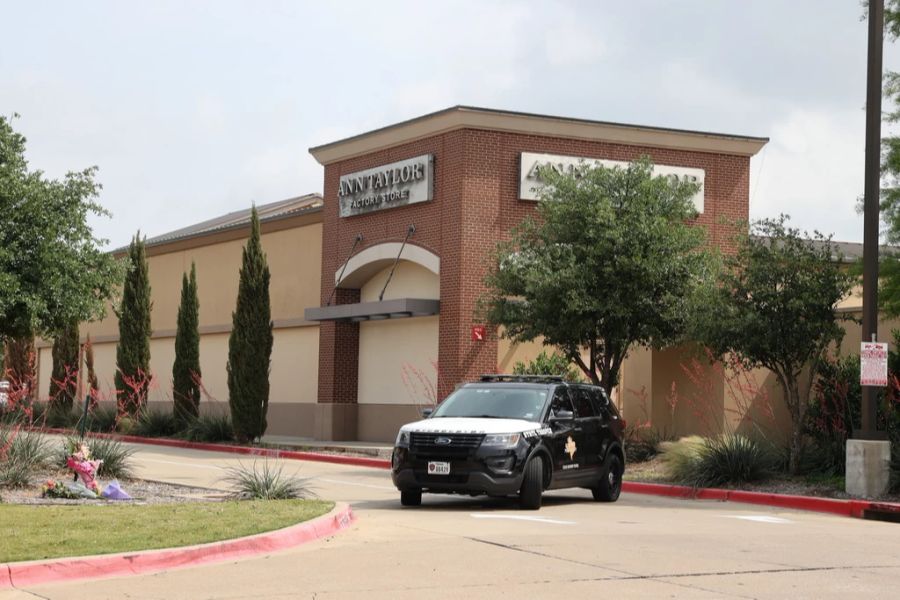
x=653 y=471
x=142 y=492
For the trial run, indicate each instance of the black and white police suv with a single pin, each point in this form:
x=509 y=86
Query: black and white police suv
x=513 y=434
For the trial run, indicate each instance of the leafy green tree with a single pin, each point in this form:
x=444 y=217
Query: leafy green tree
x=186 y=369
x=250 y=342
x=133 y=350
x=52 y=269
x=64 y=374
x=774 y=308
x=548 y=364
x=611 y=262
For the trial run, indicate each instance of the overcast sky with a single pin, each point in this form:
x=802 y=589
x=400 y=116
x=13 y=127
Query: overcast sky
x=195 y=109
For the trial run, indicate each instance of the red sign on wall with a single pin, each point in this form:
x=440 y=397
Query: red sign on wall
x=478 y=333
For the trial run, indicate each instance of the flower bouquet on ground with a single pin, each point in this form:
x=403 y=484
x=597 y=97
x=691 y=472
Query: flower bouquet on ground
x=78 y=458
x=57 y=489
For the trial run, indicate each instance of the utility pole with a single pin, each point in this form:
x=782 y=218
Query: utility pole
x=870 y=207
x=868 y=472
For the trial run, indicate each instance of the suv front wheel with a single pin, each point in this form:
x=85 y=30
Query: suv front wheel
x=532 y=484
x=411 y=497
x=610 y=485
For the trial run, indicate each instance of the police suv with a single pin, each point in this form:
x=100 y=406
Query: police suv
x=513 y=434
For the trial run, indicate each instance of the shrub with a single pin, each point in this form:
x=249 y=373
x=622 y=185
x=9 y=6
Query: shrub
x=728 y=458
x=102 y=419
x=156 y=423
x=548 y=364
x=642 y=444
x=265 y=483
x=831 y=415
x=125 y=425
x=60 y=418
x=116 y=457
x=21 y=454
x=210 y=428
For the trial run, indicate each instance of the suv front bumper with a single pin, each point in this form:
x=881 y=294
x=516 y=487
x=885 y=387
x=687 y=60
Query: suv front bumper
x=471 y=475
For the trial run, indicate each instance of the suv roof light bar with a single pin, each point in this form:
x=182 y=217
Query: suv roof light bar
x=522 y=378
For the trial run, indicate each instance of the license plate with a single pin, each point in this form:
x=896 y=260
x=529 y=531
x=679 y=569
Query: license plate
x=438 y=468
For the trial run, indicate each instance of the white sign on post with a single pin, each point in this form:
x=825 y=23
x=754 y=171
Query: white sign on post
x=873 y=364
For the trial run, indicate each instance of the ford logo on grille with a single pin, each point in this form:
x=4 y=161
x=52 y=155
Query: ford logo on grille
x=443 y=441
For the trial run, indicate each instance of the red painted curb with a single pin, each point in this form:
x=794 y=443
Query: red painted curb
x=359 y=461
x=19 y=574
x=847 y=508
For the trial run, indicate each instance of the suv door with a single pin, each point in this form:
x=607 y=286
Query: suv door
x=567 y=439
x=606 y=433
x=590 y=422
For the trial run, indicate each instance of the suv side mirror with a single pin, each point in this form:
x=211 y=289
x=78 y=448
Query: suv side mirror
x=426 y=412
x=562 y=415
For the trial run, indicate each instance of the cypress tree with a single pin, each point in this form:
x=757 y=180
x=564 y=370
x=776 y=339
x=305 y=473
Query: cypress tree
x=93 y=384
x=19 y=368
x=250 y=342
x=133 y=349
x=186 y=369
x=64 y=375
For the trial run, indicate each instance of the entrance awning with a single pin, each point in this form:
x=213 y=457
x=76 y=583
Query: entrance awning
x=398 y=308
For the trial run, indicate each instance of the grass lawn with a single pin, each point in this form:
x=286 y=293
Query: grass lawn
x=32 y=532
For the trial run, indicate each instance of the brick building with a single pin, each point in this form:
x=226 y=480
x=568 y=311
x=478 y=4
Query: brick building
x=374 y=283
x=479 y=162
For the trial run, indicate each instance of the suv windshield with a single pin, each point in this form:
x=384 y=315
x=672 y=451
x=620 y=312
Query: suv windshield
x=495 y=402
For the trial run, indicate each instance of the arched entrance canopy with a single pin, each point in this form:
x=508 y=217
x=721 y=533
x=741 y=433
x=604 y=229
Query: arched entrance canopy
x=365 y=264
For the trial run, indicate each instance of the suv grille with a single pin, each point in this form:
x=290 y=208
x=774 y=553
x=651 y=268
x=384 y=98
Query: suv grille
x=461 y=444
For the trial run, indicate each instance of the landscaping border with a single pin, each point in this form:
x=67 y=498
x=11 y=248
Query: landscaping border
x=860 y=509
x=360 y=461
x=19 y=574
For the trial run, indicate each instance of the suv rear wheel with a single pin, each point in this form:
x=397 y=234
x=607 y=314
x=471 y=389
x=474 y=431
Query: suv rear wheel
x=411 y=497
x=532 y=484
x=610 y=485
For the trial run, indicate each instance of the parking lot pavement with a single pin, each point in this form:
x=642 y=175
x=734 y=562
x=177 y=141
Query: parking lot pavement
x=452 y=547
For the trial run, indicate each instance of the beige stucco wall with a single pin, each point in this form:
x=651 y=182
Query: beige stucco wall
x=294 y=257
x=509 y=353
x=294 y=377
x=398 y=357
x=409 y=281
x=44 y=367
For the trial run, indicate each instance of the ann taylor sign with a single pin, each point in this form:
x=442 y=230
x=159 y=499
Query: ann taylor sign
x=389 y=186
x=531 y=164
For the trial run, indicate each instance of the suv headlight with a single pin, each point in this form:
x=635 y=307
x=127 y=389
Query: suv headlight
x=402 y=439
x=501 y=440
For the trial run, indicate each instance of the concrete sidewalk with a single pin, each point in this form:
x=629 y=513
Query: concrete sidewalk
x=373 y=449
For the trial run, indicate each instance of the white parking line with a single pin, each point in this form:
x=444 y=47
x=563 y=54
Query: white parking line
x=521 y=518
x=759 y=519
x=365 y=485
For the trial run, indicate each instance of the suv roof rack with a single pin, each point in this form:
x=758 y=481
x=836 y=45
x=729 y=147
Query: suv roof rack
x=500 y=377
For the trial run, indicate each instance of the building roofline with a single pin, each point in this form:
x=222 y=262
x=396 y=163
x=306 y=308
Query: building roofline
x=192 y=231
x=471 y=117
